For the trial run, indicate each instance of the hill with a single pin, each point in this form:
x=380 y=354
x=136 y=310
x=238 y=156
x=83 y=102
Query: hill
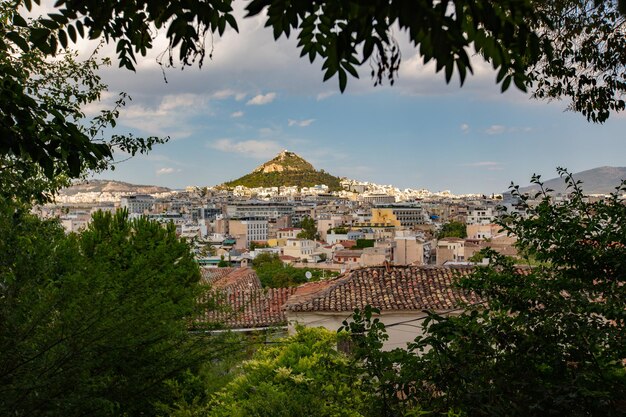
x=107 y=186
x=602 y=180
x=286 y=169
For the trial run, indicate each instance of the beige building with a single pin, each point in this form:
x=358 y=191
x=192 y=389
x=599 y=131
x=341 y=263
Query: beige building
x=303 y=249
x=411 y=249
x=482 y=231
x=246 y=231
x=450 y=249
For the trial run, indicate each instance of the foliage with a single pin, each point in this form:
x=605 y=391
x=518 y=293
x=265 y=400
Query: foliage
x=344 y=36
x=303 y=375
x=309 y=229
x=223 y=263
x=551 y=340
x=453 y=229
x=364 y=243
x=273 y=273
x=287 y=178
x=45 y=137
x=587 y=59
x=339 y=230
x=92 y=324
x=258 y=245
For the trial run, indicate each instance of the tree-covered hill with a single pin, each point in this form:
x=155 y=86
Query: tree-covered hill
x=286 y=169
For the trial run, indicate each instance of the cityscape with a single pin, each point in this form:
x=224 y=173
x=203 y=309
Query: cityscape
x=214 y=208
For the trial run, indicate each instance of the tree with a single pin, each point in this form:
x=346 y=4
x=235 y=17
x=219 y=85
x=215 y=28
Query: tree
x=92 y=324
x=453 y=229
x=303 y=375
x=549 y=46
x=550 y=340
x=273 y=273
x=45 y=137
x=309 y=229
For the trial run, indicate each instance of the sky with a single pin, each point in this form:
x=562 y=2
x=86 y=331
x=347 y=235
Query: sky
x=256 y=97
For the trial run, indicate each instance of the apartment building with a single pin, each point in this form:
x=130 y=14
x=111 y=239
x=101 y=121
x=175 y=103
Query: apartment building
x=247 y=230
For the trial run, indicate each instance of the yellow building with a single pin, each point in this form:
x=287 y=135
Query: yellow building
x=398 y=216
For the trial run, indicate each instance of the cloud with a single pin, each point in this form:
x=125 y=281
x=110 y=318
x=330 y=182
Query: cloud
x=488 y=165
x=495 y=130
x=261 y=99
x=171 y=117
x=324 y=95
x=300 y=123
x=167 y=171
x=249 y=148
x=465 y=128
x=236 y=114
x=499 y=129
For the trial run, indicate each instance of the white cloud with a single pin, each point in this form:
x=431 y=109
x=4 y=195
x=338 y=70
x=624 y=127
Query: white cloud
x=495 y=130
x=465 y=128
x=171 y=117
x=236 y=114
x=261 y=99
x=250 y=148
x=300 y=123
x=324 y=95
x=167 y=171
x=488 y=165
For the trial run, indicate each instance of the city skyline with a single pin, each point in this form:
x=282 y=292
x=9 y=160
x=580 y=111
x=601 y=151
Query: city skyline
x=255 y=97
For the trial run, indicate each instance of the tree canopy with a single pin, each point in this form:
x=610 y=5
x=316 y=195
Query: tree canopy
x=549 y=340
x=559 y=48
x=93 y=324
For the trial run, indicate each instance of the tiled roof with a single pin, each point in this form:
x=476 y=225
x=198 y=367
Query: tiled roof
x=230 y=279
x=237 y=300
x=387 y=288
x=250 y=309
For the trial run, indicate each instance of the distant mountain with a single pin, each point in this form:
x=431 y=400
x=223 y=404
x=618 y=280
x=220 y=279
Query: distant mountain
x=601 y=180
x=286 y=169
x=106 y=186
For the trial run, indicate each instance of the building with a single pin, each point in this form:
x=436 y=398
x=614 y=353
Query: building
x=481 y=215
x=411 y=249
x=247 y=230
x=139 y=203
x=377 y=199
x=303 y=249
x=258 y=209
x=399 y=216
x=450 y=249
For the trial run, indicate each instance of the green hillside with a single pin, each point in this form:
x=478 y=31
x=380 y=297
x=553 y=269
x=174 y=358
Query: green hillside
x=286 y=169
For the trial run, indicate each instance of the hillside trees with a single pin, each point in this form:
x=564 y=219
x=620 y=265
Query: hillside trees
x=92 y=324
x=549 y=341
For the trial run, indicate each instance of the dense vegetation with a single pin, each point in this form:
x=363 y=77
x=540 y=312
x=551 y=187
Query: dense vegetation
x=453 y=229
x=273 y=273
x=93 y=324
x=550 y=342
x=287 y=178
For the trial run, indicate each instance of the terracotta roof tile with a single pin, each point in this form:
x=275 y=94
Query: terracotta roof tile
x=250 y=309
x=393 y=288
x=239 y=300
x=230 y=278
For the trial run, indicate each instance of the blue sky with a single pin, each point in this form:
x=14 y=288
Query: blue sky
x=256 y=98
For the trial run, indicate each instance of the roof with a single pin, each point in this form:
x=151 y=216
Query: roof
x=230 y=279
x=246 y=309
x=392 y=288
